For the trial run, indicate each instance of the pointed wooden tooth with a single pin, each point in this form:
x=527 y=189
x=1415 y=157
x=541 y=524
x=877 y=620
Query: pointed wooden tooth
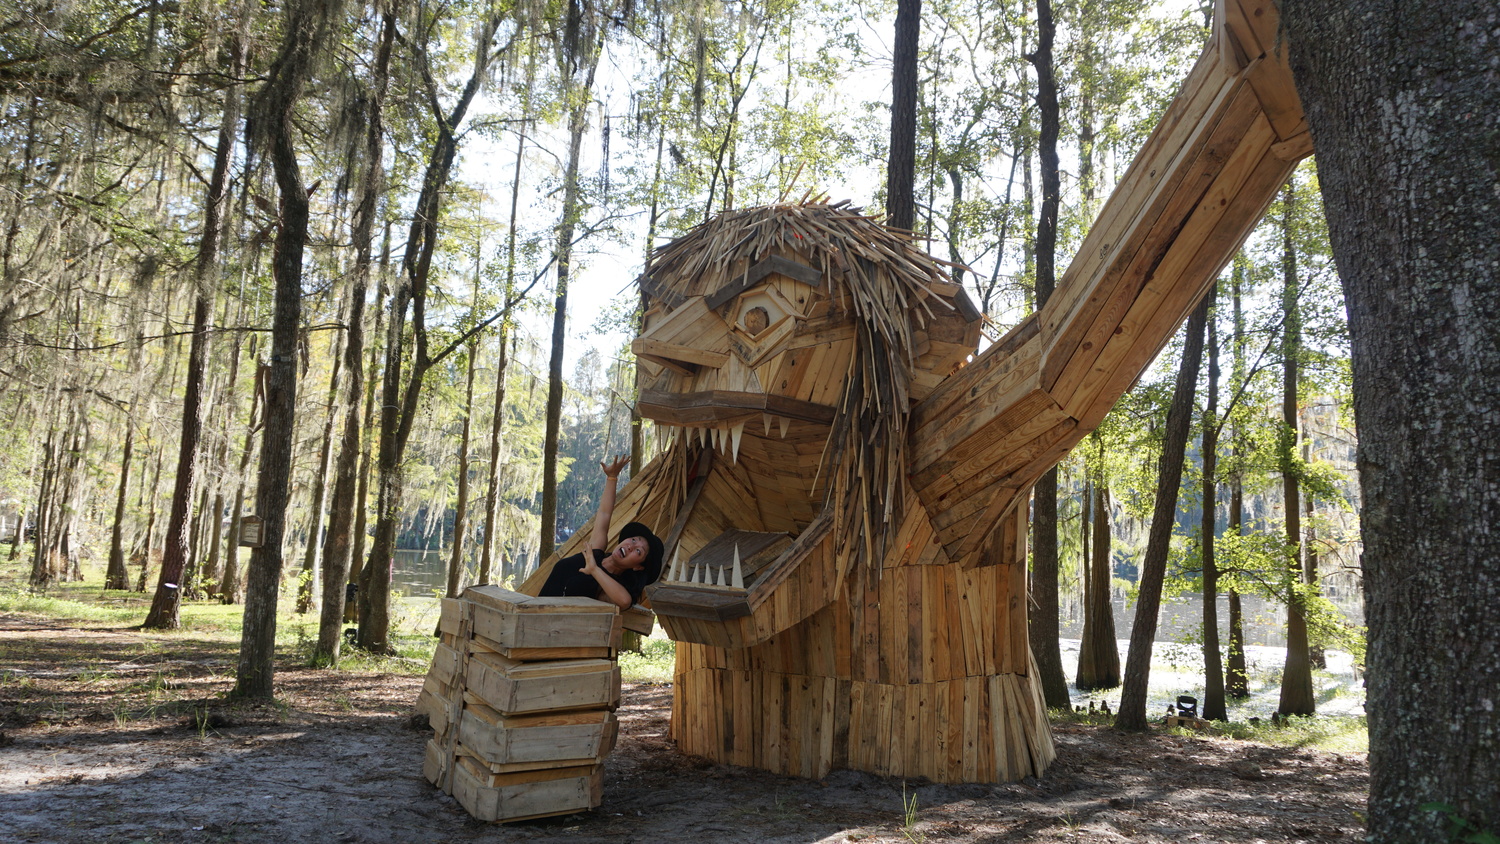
x=675 y=572
x=737 y=578
x=702 y=574
x=736 y=433
x=784 y=421
x=765 y=419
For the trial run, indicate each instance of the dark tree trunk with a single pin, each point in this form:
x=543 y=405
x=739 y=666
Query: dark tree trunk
x=1043 y=625
x=1405 y=111
x=461 y=506
x=901 y=169
x=1132 y=714
x=576 y=125
x=502 y=361
x=168 y=599
x=307 y=26
x=1098 y=651
x=1236 y=675
x=338 y=547
x=318 y=501
x=1296 y=677
x=115 y=574
x=401 y=402
x=1213 y=665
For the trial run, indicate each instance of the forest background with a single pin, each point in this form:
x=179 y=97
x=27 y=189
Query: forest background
x=481 y=183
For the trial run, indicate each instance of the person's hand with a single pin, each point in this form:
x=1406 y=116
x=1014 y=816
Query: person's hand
x=590 y=565
x=612 y=470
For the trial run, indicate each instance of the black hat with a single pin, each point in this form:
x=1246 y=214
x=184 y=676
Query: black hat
x=655 y=548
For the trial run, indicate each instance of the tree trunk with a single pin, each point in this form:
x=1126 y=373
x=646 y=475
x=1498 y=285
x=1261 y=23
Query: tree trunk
x=1132 y=714
x=461 y=506
x=1213 y=665
x=307 y=26
x=1296 y=677
x=400 y=405
x=318 y=502
x=901 y=169
x=1098 y=651
x=577 y=123
x=1405 y=111
x=338 y=547
x=1236 y=675
x=115 y=574
x=168 y=599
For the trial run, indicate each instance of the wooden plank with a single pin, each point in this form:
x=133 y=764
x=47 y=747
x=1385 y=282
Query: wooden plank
x=683 y=359
x=509 y=742
x=1132 y=264
x=1137 y=200
x=511 y=687
x=1225 y=217
x=791 y=269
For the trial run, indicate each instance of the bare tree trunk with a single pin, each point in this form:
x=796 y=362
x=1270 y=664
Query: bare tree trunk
x=347 y=496
x=148 y=539
x=1213 y=665
x=307 y=26
x=1236 y=675
x=461 y=507
x=1099 y=651
x=1296 y=677
x=1043 y=627
x=115 y=575
x=167 y=601
x=400 y=405
x=577 y=123
x=1405 y=111
x=901 y=170
x=1132 y=714
x=308 y=581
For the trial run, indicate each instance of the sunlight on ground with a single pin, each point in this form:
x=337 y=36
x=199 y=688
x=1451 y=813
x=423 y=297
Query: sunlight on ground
x=1176 y=669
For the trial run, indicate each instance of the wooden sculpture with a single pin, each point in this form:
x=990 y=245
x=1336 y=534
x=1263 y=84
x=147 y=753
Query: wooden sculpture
x=844 y=483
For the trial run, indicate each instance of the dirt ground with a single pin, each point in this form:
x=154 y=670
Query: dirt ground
x=107 y=735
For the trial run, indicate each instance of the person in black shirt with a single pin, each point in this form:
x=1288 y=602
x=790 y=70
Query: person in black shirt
x=617 y=576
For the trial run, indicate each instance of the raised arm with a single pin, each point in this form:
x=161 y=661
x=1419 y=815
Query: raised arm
x=599 y=539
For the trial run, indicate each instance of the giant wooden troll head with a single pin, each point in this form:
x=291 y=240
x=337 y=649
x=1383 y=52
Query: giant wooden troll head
x=784 y=347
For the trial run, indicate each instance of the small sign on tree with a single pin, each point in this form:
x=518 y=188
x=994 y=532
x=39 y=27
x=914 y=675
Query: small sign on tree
x=252 y=531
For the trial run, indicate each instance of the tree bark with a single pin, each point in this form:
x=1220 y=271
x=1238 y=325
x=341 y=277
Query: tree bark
x=1098 y=651
x=1043 y=625
x=1132 y=714
x=901 y=169
x=338 y=545
x=115 y=575
x=1213 y=665
x=577 y=123
x=1296 y=677
x=168 y=599
x=1404 y=110
x=307 y=26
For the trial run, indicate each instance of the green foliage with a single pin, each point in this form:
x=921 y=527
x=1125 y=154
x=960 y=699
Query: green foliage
x=654 y=664
x=1461 y=830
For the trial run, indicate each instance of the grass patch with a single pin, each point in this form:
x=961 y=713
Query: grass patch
x=652 y=665
x=1332 y=733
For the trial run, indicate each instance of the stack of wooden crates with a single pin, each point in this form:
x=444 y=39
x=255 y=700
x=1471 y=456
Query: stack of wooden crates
x=521 y=696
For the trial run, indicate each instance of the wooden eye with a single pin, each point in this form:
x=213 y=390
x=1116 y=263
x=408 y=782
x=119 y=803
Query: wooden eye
x=756 y=320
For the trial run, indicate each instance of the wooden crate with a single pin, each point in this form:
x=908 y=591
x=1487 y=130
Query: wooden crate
x=523 y=627
x=526 y=794
x=515 y=687
x=519 y=742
